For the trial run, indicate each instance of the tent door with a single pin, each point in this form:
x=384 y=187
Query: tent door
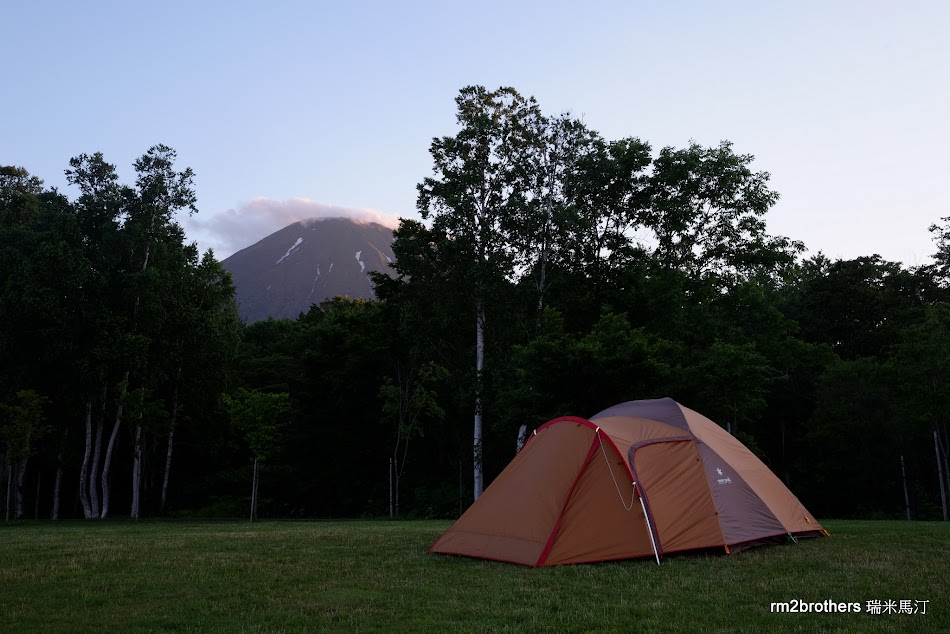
x=673 y=482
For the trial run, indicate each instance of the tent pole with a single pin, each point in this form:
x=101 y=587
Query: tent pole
x=647 y=518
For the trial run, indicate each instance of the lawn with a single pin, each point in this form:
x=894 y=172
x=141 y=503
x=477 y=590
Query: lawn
x=377 y=577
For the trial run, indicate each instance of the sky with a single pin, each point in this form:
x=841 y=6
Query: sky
x=295 y=109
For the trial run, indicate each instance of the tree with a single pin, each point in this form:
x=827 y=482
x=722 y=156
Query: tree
x=201 y=339
x=159 y=193
x=732 y=384
x=547 y=215
x=98 y=209
x=853 y=468
x=858 y=307
x=262 y=419
x=407 y=401
x=41 y=274
x=608 y=195
x=473 y=201
x=921 y=366
x=705 y=210
x=21 y=427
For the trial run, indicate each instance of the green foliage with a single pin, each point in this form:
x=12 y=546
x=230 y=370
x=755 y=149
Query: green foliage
x=22 y=425
x=408 y=397
x=260 y=418
x=734 y=382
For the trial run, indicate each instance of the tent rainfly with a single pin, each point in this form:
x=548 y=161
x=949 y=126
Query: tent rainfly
x=640 y=479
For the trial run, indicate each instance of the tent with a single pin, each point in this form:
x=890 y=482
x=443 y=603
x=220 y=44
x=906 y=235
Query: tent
x=640 y=479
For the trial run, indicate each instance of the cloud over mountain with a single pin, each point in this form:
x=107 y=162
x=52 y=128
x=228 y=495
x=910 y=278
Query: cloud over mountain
x=249 y=222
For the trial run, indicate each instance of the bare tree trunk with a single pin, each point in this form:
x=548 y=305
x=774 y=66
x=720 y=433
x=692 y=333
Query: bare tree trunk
x=254 y=479
x=391 y=488
x=58 y=482
x=168 y=468
x=9 y=471
x=83 y=471
x=96 y=457
x=478 y=471
x=945 y=453
x=18 y=494
x=36 y=498
x=111 y=446
x=522 y=436
x=543 y=268
x=136 y=471
x=906 y=496
x=940 y=472
x=171 y=443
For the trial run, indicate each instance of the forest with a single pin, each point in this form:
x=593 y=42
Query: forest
x=553 y=272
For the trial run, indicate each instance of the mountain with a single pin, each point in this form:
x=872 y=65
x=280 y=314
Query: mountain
x=306 y=263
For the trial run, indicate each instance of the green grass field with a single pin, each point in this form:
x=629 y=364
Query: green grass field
x=378 y=577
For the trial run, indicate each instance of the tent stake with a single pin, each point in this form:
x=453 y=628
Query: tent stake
x=649 y=528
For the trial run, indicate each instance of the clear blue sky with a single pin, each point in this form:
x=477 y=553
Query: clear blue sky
x=290 y=108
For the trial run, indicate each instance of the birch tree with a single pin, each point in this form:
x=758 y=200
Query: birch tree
x=160 y=192
x=97 y=210
x=261 y=418
x=474 y=200
x=552 y=172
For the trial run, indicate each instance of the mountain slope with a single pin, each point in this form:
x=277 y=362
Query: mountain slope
x=306 y=263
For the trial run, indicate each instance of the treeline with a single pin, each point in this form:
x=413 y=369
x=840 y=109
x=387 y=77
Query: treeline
x=113 y=334
x=556 y=272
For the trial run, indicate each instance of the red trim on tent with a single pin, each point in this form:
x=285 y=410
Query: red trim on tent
x=563 y=419
x=557 y=525
x=586 y=423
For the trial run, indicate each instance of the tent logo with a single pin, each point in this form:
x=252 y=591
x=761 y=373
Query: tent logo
x=726 y=480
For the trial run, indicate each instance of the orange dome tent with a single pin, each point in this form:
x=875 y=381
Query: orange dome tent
x=640 y=479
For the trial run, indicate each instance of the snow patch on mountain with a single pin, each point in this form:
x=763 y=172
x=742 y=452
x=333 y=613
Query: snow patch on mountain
x=314 y=283
x=362 y=264
x=290 y=250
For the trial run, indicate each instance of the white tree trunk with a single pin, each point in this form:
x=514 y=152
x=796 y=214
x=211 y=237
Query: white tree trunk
x=522 y=436
x=168 y=468
x=36 y=498
x=479 y=368
x=136 y=472
x=940 y=468
x=254 y=480
x=58 y=482
x=20 y=475
x=906 y=495
x=83 y=470
x=171 y=444
x=110 y=447
x=9 y=471
x=96 y=457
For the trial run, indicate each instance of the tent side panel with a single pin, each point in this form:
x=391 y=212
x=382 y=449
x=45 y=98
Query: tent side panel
x=674 y=485
x=783 y=504
x=596 y=524
x=513 y=519
x=742 y=513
